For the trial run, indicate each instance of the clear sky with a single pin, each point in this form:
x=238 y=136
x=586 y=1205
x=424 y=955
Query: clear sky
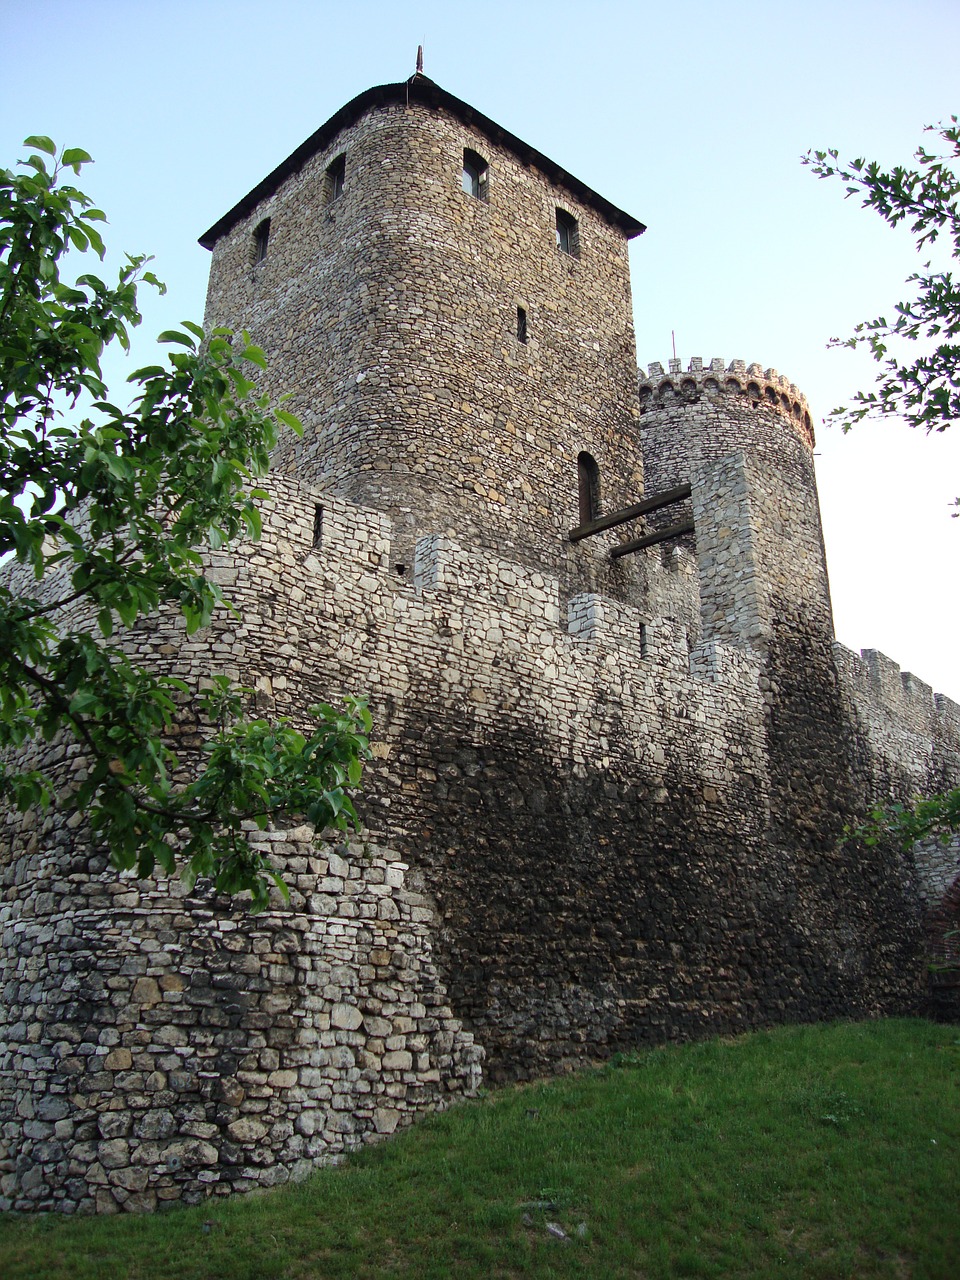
x=692 y=117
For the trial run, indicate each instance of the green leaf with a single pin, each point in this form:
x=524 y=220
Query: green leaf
x=173 y=335
x=255 y=355
x=42 y=142
x=74 y=157
x=93 y=235
x=151 y=279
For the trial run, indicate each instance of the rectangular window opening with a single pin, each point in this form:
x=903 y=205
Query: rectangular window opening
x=475 y=175
x=588 y=485
x=568 y=234
x=317 y=525
x=521 y=325
x=261 y=237
x=336 y=173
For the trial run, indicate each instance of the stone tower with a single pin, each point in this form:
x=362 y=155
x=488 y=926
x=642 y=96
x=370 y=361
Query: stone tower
x=452 y=312
x=692 y=419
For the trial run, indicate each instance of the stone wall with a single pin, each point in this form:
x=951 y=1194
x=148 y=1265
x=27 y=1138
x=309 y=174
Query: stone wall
x=161 y=1046
x=608 y=798
x=703 y=413
x=911 y=736
x=617 y=832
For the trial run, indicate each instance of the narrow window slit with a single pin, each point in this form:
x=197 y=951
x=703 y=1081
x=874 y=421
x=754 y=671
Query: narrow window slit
x=475 y=175
x=588 y=476
x=336 y=172
x=261 y=237
x=317 y=525
x=521 y=325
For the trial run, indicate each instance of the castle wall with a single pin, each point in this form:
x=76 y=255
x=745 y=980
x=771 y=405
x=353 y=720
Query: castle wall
x=160 y=1046
x=912 y=739
x=614 y=836
x=541 y=759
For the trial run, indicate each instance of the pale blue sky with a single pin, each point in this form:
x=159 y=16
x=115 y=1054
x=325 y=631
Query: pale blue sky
x=692 y=118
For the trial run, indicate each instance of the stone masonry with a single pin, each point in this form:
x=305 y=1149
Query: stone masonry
x=608 y=795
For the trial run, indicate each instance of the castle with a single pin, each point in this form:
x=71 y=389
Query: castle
x=615 y=741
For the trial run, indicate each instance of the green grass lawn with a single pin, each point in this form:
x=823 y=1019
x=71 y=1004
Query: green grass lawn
x=822 y=1151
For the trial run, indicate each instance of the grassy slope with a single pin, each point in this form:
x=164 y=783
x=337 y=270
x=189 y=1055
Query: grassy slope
x=825 y=1151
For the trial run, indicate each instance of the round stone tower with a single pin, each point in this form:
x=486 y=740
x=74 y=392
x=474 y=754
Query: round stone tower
x=700 y=421
x=451 y=311
x=706 y=413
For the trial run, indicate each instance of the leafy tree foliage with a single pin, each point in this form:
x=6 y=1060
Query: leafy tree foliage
x=924 y=391
x=936 y=817
x=104 y=514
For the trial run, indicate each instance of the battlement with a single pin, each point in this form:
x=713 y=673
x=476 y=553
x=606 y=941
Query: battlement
x=488 y=599
x=753 y=382
x=871 y=677
x=441 y=563
x=331 y=561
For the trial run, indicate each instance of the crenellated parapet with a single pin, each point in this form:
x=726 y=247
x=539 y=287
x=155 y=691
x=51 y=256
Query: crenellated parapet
x=663 y=387
x=696 y=420
x=913 y=738
x=902 y=717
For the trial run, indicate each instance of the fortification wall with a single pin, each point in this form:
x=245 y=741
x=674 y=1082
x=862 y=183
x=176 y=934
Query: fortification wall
x=161 y=1046
x=912 y=736
x=609 y=836
x=525 y=740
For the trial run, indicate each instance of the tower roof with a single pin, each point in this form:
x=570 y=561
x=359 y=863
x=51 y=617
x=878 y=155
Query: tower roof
x=419 y=88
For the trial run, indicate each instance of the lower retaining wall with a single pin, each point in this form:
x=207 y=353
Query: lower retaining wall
x=160 y=1047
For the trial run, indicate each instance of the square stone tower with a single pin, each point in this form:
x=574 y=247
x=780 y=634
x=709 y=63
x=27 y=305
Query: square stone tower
x=451 y=311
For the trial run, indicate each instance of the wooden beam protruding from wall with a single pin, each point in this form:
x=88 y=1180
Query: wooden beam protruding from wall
x=630 y=513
